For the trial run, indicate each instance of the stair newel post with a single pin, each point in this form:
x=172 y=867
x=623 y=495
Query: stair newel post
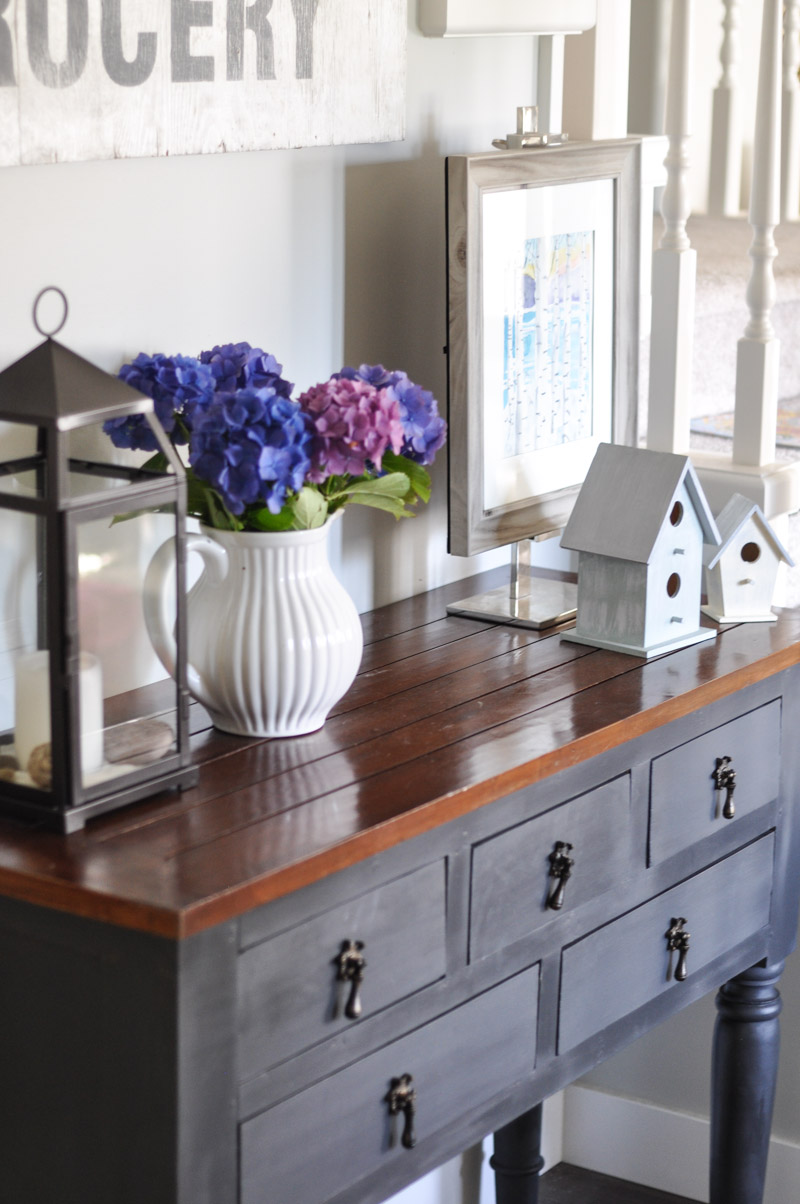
x=675 y=262
x=790 y=115
x=758 y=351
x=726 y=132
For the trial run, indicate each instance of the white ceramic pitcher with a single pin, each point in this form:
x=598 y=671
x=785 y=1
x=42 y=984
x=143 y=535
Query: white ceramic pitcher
x=274 y=639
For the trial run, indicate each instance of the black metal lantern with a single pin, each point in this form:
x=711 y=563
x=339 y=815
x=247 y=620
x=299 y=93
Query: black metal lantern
x=88 y=721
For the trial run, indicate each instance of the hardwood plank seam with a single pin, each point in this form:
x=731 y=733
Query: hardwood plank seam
x=576 y=653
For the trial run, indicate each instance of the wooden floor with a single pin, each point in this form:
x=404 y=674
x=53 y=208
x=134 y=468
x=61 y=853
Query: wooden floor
x=569 y=1185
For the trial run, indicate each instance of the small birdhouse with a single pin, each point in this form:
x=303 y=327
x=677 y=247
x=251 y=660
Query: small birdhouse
x=741 y=572
x=639 y=525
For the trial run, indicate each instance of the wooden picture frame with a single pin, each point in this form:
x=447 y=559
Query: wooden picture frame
x=543 y=282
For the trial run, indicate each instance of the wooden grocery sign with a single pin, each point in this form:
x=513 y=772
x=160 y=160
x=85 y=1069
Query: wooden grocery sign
x=100 y=79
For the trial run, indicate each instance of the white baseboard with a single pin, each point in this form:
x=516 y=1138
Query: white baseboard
x=646 y=1144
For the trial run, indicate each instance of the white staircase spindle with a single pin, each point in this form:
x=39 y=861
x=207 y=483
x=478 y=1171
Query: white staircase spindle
x=725 y=173
x=758 y=352
x=675 y=262
x=790 y=117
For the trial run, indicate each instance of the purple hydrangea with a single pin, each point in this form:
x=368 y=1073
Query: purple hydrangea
x=240 y=366
x=354 y=424
x=251 y=446
x=424 y=431
x=176 y=384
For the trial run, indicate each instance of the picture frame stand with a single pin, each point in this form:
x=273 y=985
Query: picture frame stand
x=527 y=601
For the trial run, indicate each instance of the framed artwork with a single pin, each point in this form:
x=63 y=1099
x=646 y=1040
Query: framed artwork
x=543 y=270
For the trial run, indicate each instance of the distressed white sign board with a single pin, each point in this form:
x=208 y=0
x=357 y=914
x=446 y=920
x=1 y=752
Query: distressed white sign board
x=102 y=79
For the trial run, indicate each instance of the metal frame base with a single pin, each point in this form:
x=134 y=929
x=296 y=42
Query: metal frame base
x=526 y=601
x=549 y=602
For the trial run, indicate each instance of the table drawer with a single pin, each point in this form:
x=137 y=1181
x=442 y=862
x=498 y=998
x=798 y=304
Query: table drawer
x=619 y=968
x=288 y=993
x=328 y=1137
x=511 y=872
x=685 y=804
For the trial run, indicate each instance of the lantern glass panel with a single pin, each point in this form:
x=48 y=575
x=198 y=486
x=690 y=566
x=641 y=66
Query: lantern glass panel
x=127 y=701
x=21 y=468
x=24 y=658
x=91 y=457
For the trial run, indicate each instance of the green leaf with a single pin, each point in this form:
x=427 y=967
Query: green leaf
x=124 y=518
x=383 y=493
x=197 y=502
x=265 y=520
x=310 y=509
x=219 y=516
x=157 y=463
x=394 y=484
x=392 y=505
x=418 y=477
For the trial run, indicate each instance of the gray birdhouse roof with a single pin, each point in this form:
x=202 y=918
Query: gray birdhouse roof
x=731 y=520
x=627 y=494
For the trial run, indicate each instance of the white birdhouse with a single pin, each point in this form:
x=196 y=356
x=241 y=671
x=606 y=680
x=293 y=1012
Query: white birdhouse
x=639 y=525
x=741 y=572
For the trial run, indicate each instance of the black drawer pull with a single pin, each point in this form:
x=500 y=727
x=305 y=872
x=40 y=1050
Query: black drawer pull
x=561 y=869
x=725 y=779
x=678 y=941
x=403 y=1098
x=351 y=964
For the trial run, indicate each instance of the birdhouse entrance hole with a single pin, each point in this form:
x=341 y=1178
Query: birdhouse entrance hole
x=674 y=582
x=751 y=552
x=675 y=516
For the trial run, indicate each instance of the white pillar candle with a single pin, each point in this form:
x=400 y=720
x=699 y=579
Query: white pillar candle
x=32 y=707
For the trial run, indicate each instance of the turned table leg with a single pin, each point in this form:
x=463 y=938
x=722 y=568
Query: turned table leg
x=517 y=1161
x=744 y=1072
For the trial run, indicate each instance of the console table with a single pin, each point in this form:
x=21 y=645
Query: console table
x=341 y=959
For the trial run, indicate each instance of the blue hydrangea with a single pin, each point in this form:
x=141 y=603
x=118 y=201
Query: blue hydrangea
x=372 y=374
x=251 y=446
x=176 y=384
x=240 y=366
x=424 y=431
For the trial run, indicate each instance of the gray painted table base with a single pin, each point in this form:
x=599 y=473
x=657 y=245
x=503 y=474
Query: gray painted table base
x=744 y=1075
x=184 y=1017
x=517 y=1161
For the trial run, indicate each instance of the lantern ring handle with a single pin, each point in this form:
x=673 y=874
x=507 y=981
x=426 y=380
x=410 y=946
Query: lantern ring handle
x=51 y=288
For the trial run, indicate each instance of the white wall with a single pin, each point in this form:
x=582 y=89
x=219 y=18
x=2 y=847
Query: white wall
x=321 y=256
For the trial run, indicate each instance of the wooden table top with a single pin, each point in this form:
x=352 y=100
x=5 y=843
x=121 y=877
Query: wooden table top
x=445 y=715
